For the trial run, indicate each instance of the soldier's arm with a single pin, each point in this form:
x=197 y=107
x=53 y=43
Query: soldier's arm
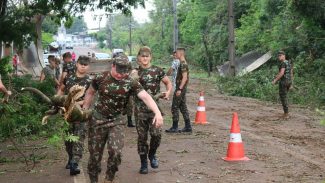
x=279 y=76
x=90 y=93
x=61 y=89
x=42 y=77
x=62 y=77
x=147 y=99
x=5 y=91
x=184 y=80
x=169 y=86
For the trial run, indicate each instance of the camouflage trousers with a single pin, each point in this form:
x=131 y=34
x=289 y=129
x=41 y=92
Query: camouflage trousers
x=179 y=103
x=129 y=106
x=283 y=92
x=144 y=125
x=99 y=135
x=75 y=149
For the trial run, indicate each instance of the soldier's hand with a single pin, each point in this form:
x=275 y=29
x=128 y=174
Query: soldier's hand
x=273 y=82
x=166 y=95
x=178 y=93
x=6 y=97
x=158 y=120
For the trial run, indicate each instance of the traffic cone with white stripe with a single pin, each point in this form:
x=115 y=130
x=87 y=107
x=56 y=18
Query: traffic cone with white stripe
x=201 y=117
x=235 y=147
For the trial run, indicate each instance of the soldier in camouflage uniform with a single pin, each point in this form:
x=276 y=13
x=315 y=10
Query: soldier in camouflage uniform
x=179 y=98
x=77 y=128
x=107 y=126
x=49 y=72
x=69 y=67
x=285 y=78
x=150 y=77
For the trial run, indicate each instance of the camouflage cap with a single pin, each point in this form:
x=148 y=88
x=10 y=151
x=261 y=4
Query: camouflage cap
x=83 y=60
x=281 y=53
x=122 y=64
x=144 y=50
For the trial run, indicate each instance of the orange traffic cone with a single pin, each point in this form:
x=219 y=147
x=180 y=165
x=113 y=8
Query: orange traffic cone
x=201 y=117
x=235 y=146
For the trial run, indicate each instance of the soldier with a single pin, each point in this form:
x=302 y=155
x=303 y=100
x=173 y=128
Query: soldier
x=77 y=128
x=107 y=126
x=69 y=67
x=49 y=72
x=150 y=77
x=179 y=98
x=285 y=78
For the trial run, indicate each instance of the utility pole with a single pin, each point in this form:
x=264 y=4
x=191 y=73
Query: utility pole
x=231 y=39
x=130 y=35
x=110 y=23
x=175 y=24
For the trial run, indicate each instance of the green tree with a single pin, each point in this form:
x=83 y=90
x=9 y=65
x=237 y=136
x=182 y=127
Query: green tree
x=78 y=25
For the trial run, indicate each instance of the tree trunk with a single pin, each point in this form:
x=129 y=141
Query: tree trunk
x=32 y=57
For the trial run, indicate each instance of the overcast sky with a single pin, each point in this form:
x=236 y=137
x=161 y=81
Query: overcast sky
x=140 y=15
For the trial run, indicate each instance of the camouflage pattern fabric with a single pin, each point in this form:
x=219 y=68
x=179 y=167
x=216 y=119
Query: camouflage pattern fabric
x=113 y=94
x=179 y=102
x=130 y=106
x=69 y=67
x=71 y=79
x=107 y=125
x=150 y=78
x=49 y=72
x=183 y=67
x=99 y=135
x=284 y=84
x=75 y=149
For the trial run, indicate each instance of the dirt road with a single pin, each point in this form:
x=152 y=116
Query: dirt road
x=280 y=150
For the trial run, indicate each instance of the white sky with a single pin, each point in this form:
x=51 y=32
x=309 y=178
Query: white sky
x=141 y=15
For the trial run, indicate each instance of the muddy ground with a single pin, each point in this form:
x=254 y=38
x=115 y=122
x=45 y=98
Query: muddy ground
x=280 y=150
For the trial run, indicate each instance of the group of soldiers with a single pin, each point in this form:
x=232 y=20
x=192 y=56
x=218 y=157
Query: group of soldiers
x=112 y=90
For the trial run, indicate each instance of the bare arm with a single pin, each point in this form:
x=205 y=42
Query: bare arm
x=147 y=99
x=63 y=76
x=279 y=76
x=42 y=77
x=90 y=93
x=61 y=89
x=5 y=91
x=169 y=86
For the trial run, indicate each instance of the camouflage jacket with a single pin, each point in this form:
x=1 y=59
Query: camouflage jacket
x=49 y=72
x=287 y=72
x=69 y=67
x=183 y=67
x=72 y=79
x=150 y=79
x=113 y=94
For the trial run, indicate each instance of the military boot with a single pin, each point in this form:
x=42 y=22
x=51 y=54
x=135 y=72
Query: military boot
x=187 y=127
x=67 y=166
x=74 y=169
x=153 y=160
x=130 y=121
x=144 y=164
x=174 y=128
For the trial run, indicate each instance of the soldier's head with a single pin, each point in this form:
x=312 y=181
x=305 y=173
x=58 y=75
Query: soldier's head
x=67 y=57
x=281 y=56
x=51 y=60
x=121 y=67
x=144 y=56
x=180 y=53
x=83 y=64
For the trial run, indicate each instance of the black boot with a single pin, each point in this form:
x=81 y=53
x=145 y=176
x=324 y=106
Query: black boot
x=130 y=121
x=153 y=160
x=187 y=127
x=144 y=164
x=74 y=169
x=174 y=128
x=67 y=166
